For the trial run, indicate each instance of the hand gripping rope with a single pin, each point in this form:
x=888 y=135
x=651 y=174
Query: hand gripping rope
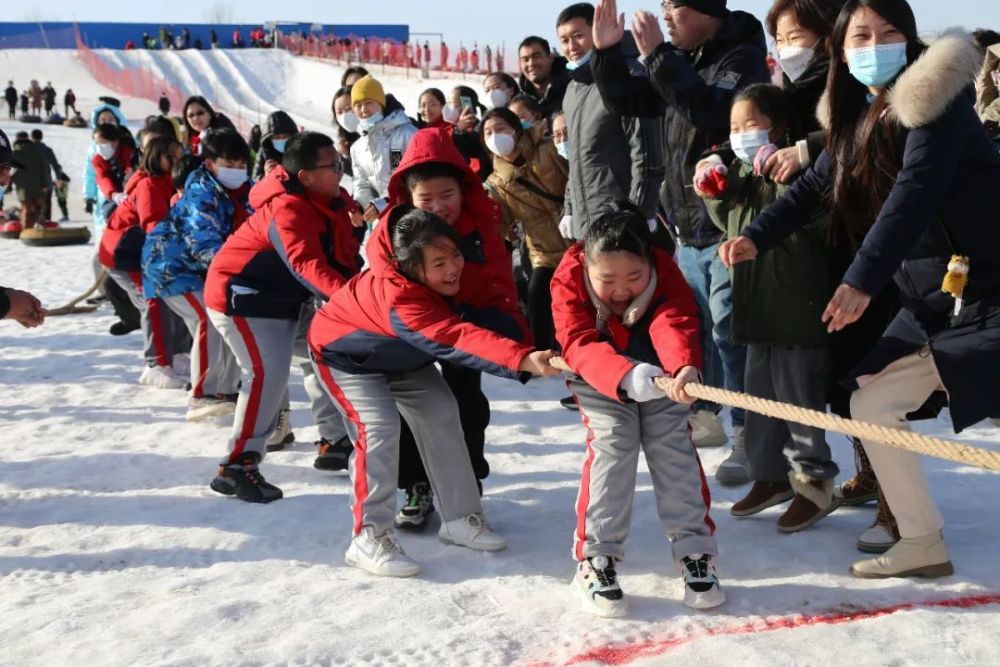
x=900 y=439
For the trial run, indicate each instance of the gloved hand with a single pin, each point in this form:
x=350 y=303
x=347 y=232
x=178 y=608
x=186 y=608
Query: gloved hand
x=710 y=177
x=88 y=206
x=566 y=226
x=118 y=197
x=639 y=383
x=760 y=159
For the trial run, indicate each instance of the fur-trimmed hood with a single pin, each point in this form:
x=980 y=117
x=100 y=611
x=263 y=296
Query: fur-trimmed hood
x=925 y=90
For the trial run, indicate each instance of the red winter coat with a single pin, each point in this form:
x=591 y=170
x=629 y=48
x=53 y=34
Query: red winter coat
x=381 y=322
x=110 y=173
x=292 y=248
x=487 y=279
x=147 y=201
x=666 y=335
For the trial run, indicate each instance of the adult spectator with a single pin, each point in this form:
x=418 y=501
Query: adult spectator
x=33 y=180
x=543 y=74
x=616 y=156
x=49 y=98
x=10 y=95
x=164 y=104
x=712 y=55
x=69 y=102
x=54 y=168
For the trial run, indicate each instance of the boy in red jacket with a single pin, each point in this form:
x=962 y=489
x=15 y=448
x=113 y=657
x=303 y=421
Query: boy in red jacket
x=433 y=176
x=625 y=317
x=298 y=245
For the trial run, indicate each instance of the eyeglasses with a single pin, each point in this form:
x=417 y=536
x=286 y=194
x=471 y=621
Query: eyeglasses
x=335 y=166
x=195 y=114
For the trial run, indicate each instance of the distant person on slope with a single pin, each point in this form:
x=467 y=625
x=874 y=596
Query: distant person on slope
x=10 y=94
x=385 y=133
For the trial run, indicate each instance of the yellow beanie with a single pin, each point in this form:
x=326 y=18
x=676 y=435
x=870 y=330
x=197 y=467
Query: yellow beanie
x=367 y=88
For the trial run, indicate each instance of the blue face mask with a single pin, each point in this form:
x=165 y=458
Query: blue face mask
x=877 y=66
x=370 y=122
x=3 y=189
x=526 y=124
x=746 y=144
x=279 y=144
x=563 y=149
x=581 y=62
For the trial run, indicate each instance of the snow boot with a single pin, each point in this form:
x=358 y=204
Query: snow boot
x=813 y=500
x=381 y=555
x=333 y=455
x=596 y=584
x=735 y=470
x=701 y=585
x=925 y=556
x=244 y=481
x=761 y=496
x=883 y=533
x=863 y=487
x=416 y=509
x=282 y=434
x=706 y=429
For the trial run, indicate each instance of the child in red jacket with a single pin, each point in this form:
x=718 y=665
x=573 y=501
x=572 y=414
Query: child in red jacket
x=298 y=245
x=625 y=316
x=374 y=345
x=146 y=201
x=112 y=166
x=433 y=176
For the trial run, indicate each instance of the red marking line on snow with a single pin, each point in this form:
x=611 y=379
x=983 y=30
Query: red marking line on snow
x=623 y=654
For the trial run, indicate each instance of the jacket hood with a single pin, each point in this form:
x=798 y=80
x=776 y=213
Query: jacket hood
x=280 y=122
x=925 y=89
x=107 y=107
x=270 y=187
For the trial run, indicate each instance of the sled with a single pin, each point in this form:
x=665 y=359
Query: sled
x=55 y=236
x=30 y=118
x=10 y=230
x=76 y=121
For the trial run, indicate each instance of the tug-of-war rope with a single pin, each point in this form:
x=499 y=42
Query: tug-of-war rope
x=72 y=308
x=900 y=439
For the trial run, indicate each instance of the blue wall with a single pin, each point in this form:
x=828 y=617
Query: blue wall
x=53 y=35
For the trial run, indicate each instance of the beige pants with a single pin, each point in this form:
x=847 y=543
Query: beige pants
x=885 y=399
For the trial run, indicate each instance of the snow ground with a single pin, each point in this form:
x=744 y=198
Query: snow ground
x=113 y=550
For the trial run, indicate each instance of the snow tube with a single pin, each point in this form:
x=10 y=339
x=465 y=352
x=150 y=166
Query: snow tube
x=30 y=118
x=76 y=121
x=53 y=236
x=10 y=230
x=54 y=119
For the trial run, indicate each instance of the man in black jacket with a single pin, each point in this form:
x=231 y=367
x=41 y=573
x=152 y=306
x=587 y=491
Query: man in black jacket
x=15 y=304
x=10 y=95
x=713 y=54
x=543 y=74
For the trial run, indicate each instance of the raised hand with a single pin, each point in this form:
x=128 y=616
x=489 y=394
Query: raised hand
x=609 y=25
x=647 y=33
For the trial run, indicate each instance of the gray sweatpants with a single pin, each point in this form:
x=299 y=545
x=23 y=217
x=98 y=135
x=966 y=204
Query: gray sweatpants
x=615 y=433
x=371 y=405
x=162 y=332
x=213 y=367
x=791 y=374
x=263 y=349
x=325 y=414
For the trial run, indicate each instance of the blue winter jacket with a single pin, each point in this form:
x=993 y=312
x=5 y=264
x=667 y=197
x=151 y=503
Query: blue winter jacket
x=177 y=252
x=90 y=189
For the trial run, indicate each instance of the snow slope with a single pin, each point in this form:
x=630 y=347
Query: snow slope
x=113 y=551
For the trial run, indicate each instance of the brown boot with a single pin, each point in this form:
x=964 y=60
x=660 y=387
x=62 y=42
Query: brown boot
x=863 y=487
x=762 y=495
x=883 y=533
x=813 y=501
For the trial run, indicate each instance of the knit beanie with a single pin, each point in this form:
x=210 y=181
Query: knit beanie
x=367 y=88
x=716 y=8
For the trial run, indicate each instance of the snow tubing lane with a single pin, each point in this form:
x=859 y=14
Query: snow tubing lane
x=623 y=654
x=55 y=237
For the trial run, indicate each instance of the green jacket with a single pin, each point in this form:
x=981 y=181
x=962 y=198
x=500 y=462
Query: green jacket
x=779 y=298
x=34 y=179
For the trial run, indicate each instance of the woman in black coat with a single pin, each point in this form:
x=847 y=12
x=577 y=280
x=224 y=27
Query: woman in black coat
x=912 y=178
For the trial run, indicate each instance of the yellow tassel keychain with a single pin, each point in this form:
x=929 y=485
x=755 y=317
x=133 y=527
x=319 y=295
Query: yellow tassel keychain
x=956 y=279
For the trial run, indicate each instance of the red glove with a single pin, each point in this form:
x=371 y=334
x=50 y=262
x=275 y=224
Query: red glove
x=710 y=177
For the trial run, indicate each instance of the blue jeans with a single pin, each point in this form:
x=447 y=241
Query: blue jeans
x=725 y=362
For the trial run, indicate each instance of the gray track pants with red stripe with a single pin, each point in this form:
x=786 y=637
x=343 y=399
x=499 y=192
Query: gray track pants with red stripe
x=162 y=333
x=213 y=367
x=615 y=433
x=371 y=405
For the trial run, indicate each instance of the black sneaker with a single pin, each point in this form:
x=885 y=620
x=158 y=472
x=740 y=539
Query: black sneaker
x=417 y=508
x=122 y=328
x=569 y=403
x=244 y=481
x=333 y=455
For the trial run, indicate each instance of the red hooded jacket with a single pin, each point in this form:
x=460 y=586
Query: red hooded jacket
x=292 y=248
x=110 y=174
x=666 y=335
x=382 y=322
x=147 y=201
x=488 y=279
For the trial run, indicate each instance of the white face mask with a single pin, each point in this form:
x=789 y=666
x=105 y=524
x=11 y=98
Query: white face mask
x=349 y=121
x=794 y=60
x=746 y=144
x=107 y=151
x=501 y=143
x=451 y=113
x=499 y=98
x=231 y=177
x=564 y=149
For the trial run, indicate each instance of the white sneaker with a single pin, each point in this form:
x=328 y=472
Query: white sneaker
x=596 y=584
x=161 y=377
x=473 y=531
x=380 y=554
x=282 y=433
x=877 y=539
x=701 y=585
x=735 y=469
x=706 y=429
x=210 y=406
x=181 y=363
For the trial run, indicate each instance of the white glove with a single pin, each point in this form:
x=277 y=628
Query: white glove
x=118 y=197
x=566 y=226
x=639 y=383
